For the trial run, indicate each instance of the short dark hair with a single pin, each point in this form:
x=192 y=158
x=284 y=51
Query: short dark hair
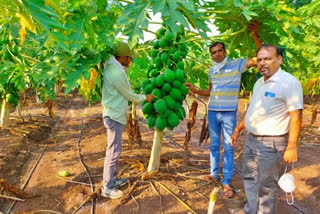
x=215 y=44
x=279 y=50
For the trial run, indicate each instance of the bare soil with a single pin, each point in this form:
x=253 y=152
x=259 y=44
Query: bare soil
x=59 y=139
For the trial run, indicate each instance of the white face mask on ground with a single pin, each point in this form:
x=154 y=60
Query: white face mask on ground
x=287 y=184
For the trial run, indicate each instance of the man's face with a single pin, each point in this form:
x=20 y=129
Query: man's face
x=268 y=62
x=218 y=53
x=125 y=60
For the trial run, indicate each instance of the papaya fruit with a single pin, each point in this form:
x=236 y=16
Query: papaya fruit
x=169 y=75
x=148 y=89
x=147 y=108
x=160 y=80
x=166 y=87
x=160 y=106
x=151 y=121
x=173 y=119
x=161 y=123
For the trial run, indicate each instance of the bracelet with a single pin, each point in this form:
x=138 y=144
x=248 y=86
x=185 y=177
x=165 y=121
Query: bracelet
x=236 y=129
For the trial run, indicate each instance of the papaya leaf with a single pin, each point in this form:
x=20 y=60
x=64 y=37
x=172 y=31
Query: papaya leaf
x=72 y=81
x=101 y=5
x=133 y=19
x=157 y=5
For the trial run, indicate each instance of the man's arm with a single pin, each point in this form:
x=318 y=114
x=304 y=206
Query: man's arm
x=122 y=85
x=291 y=153
x=253 y=27
x=199 y=91
x=237 y=131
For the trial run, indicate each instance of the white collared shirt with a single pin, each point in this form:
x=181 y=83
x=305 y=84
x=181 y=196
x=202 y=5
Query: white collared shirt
x=271 y=102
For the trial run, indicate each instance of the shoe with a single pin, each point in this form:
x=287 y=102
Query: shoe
x=236 y=211
x=111 y=193
x=208 y=177
x=120 y=182
x=228 y=191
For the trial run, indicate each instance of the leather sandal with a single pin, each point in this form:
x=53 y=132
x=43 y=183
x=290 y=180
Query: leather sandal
x=208 y=177
x=227 y=191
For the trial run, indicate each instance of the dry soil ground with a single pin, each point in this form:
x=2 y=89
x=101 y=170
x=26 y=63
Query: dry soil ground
x=58 y=141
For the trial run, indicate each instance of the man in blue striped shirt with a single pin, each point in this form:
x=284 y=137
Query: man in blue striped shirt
x=224 y=87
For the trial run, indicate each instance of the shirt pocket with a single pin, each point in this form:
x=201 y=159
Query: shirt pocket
x=271 y=101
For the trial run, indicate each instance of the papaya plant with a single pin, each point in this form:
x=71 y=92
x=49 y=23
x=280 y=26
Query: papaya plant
x=165 y=80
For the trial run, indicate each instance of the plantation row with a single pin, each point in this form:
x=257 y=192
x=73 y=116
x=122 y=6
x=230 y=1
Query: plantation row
x=44 y=44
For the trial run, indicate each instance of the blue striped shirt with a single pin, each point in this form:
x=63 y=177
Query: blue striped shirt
x=226 y=85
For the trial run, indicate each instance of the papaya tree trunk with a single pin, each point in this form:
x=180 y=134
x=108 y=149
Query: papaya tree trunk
x=5 y=114
x=137 y=134
x=130 y=130
x=19 y=112
x=38 y=97
x=154 y=162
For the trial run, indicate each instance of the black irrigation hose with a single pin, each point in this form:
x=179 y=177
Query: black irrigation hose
x=85 y=168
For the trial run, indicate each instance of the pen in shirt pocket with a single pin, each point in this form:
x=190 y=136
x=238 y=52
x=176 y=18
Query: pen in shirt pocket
x=269 y=94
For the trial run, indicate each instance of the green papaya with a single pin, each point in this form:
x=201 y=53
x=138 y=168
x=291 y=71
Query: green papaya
x=145 y=83
x=164 y=57
x=151 y=122
x=166 y=87
x=154 y=54
x=169 y=37
x=176 y=84
x=169 y=75
x=147 y=108
x=154 y=72
x=160 y=80
x=163 y=42
x=156 y=45
x=161 y=123
x=176 y=56
x=156 y=92
x=148 y=89
x=158 y=62
x=154 y=81
x=180 y=65
x=160 y=106
x=160 y=33
x=179 y=75
x=173 y=120
x=170 y=102
x=175 y=94
x=184 y=90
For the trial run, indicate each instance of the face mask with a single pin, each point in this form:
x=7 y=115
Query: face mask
x=287 y=184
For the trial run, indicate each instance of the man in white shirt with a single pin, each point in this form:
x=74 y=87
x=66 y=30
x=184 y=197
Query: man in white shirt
x=273 y=121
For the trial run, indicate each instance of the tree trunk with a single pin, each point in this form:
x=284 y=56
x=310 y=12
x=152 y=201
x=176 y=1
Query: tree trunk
x=154 y=162
x=19 y=112
x=190 y=125
x=38 y=97
x=5 y=114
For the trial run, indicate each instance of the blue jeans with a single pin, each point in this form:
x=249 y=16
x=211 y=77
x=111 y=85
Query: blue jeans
x=225 y=122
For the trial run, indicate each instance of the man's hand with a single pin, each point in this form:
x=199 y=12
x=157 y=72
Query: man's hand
x=149 y=97
x=190 y=87
x=290 y=155
x=234 y=137
x=253 y=27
